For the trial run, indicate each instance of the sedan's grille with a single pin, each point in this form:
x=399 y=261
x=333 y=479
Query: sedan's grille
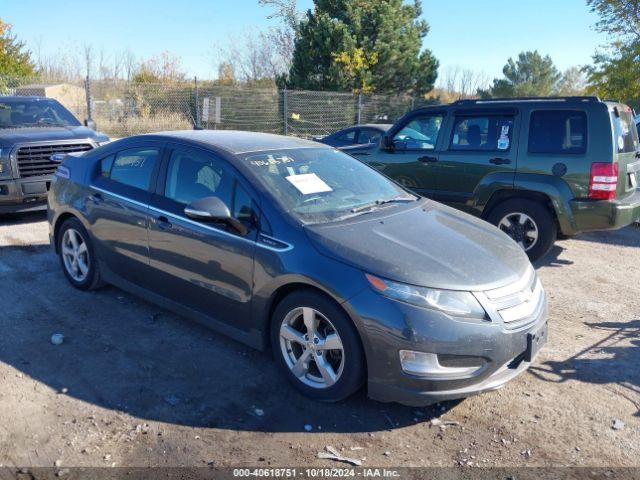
x=35 y=160
x=519 y=303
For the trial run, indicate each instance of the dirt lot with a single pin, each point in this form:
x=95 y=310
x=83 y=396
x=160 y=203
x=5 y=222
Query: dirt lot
x=134 y=385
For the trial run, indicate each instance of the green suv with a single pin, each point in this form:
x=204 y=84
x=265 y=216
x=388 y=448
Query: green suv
x=537 y=168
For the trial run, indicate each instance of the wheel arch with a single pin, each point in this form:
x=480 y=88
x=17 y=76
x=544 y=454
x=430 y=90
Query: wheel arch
x=59 y=221
x=548 y=196
x=288 y=288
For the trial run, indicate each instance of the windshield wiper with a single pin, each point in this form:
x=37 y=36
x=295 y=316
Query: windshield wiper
x=377 y=203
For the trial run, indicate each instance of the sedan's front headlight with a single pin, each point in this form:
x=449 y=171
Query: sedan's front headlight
x=451 y=302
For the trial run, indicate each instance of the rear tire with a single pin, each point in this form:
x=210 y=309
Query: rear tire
x=77 y=256
x=314 y=369
x=527 y=222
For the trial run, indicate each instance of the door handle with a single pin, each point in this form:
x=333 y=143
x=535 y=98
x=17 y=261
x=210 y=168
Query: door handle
x=500 y=161
x=427 y=159
x=360 y=154
x=164 y=223
x=96 y=198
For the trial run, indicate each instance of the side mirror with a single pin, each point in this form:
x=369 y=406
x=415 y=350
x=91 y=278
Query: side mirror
x=400 y=145
x=90 y=124
x=214 y=210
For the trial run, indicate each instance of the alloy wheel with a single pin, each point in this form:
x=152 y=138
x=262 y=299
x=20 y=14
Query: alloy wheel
x=311 y=347
x=521 y=228
x=75 y=255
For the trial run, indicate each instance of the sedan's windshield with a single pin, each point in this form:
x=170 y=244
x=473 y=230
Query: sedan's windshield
x=320 y=185
x=34 y=113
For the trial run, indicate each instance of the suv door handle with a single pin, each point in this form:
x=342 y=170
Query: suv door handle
x=427 y=159
x=500 y=161
x=96 y=198
x=164 y=223
x=360 y=153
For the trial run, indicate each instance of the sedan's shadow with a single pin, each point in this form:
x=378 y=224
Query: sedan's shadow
x=124 y=354
x=22 y=218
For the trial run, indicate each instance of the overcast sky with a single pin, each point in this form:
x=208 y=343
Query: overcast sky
x=477 y=34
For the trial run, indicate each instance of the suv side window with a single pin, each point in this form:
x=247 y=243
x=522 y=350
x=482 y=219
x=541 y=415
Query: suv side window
x=421 y=133
x=558 y=132
x=482 y=133
x=133 y=167
x=194 y=175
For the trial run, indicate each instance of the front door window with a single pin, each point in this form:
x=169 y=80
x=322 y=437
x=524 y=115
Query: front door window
x=421 y=133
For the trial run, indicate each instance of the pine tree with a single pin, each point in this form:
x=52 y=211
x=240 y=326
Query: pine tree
x=363 y=45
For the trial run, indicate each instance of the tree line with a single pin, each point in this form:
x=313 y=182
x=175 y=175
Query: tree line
x=361 y=46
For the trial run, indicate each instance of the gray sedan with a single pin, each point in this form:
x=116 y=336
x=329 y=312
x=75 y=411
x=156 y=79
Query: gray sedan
x=285 y=244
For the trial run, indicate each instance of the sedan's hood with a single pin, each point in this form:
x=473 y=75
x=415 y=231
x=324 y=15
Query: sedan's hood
x=11 y=136
x=428 y=244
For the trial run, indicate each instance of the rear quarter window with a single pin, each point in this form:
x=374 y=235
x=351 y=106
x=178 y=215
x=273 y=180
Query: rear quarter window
x=558 y=132
x=625 y=133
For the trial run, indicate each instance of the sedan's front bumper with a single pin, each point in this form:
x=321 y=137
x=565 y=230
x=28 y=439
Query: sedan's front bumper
x=500 y=352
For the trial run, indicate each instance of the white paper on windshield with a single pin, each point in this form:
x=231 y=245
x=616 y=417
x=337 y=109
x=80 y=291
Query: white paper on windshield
x=309 y=183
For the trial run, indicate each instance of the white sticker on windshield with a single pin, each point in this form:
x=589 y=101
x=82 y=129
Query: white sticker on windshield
x=309 y=183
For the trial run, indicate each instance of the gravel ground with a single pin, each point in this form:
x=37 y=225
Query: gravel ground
x=134 y=385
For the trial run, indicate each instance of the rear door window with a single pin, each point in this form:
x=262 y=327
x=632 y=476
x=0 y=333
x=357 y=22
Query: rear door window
x=482 y=133
x=369 y=135
x=346 y=138
x=135 y=167
x=624 y=131
x=558 y=132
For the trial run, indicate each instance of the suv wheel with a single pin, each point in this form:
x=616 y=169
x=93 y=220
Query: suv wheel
x=77 y=256
x=317 y=346
x=530 y=224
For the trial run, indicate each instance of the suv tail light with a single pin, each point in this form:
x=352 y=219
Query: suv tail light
x=604 y=181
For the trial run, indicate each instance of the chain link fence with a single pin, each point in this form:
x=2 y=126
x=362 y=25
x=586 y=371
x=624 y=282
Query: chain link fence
x=120 y=108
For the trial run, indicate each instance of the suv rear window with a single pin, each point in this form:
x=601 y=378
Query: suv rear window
x=624 y=130
x=558 y=132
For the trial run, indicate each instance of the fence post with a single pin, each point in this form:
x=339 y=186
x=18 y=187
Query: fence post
x=285 y=110
x=197 y=100
x=359 y=118
x=87 y=92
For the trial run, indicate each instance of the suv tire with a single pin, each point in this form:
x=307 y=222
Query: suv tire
x=77 y=256
x=324 y=374
x=538 y=232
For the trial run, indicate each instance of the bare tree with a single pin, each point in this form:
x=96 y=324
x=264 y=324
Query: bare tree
x=88 y=58
x=458 y=83
x=255 y=57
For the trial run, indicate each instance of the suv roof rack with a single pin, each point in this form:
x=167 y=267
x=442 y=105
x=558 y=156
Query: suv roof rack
x=480 y=101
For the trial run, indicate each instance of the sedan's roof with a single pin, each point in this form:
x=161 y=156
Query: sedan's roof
x=237 y=142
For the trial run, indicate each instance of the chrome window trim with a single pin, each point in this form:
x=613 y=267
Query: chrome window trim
x=199 y=224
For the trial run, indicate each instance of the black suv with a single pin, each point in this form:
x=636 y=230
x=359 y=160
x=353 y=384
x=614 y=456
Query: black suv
x=32 y=129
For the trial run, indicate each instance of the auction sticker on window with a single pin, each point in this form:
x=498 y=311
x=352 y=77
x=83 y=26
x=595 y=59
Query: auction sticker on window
x=309 y=183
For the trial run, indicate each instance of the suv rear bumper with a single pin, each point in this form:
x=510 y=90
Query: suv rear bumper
x=24 y=195
x=605 y=214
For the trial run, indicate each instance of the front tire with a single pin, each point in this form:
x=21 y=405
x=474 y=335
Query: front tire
x=77 y=256
x=528 y=223
x=317 y=346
